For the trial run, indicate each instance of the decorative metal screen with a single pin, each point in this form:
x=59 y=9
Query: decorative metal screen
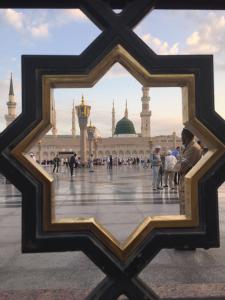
x=41 y=232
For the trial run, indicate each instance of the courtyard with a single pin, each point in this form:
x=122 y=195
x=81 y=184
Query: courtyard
x=119 y=199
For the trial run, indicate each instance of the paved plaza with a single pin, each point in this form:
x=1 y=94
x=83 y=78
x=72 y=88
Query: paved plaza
x=119 y=199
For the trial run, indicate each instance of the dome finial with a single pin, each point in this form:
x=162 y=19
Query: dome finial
x=126 y=111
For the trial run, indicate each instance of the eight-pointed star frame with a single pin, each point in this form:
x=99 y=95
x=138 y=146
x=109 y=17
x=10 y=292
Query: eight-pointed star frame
x=117 y=30
x=216 y=149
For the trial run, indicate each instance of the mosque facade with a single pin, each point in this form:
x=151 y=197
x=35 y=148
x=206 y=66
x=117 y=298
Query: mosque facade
x=125 y=142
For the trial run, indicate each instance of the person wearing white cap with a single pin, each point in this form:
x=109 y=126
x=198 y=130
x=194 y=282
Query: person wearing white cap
x=170 y=162
x=156 y=162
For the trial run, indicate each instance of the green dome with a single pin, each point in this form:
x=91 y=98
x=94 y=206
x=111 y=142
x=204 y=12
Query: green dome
x=125 y=126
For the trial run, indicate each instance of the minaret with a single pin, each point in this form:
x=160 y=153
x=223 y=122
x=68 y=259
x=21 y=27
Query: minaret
x=73 y=121
x=54 y=129
x=146 y=113
x=126 y=111
x=11 y=105
x=113 y=119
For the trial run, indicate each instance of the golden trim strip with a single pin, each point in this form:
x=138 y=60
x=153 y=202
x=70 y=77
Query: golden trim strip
x=216 y=149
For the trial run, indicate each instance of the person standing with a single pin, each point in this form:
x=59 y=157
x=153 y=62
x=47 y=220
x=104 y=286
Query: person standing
x=170 y=162
x=110 y=162
x=176 y=153
x=62 y=164
x=107 y=162
x=56 y=162
x=156 y=163
x=72 y=163
x=190 y=156
x=66 y=162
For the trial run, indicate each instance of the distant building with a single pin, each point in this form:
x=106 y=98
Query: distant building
x=123 y=143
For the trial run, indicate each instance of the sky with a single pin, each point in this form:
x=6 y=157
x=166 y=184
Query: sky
x=69 y=32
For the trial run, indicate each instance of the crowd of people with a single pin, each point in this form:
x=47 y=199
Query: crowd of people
x=168 y=169
x=165 y=166
x=176 y=164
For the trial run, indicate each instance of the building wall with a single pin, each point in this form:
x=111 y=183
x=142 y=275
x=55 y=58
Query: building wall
x=116 y=146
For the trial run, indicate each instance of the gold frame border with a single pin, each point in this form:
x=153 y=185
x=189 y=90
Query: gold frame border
x=216 y=149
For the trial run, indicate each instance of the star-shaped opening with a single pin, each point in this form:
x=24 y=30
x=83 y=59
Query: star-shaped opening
x=216 y=149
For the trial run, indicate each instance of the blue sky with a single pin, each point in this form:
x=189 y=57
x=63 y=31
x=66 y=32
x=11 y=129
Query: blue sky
x=69 y=32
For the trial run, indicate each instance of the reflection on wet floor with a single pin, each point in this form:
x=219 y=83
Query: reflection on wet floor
x=119 y=198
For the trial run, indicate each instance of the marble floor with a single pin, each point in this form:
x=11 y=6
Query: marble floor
x=120 y=200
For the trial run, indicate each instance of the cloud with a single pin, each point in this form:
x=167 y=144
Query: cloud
x=75 y=14
x=159 y=46
x=40 y=31
x=39 y=24
x=13 y=18
x=30 y=24
x=208 y=37
x=193 y=39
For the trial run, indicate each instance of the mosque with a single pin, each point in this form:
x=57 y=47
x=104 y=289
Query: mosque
x=125 y=141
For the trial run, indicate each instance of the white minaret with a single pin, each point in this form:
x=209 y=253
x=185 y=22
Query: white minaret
x=145 y=114
x=11 y=105
x=113 y=119
x=126 y=111
x=73 y=121
x=54 y=129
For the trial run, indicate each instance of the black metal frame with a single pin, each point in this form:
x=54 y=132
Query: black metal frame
x=121 y=277
x=116 y=4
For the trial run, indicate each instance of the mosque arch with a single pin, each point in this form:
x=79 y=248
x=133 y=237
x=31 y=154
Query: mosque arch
x=134 y=152
x=107 y=153
x=52 y=154
x=127 y=152
x=100 y=154
x=114 y=153
x=121 y=153
x=141 y=154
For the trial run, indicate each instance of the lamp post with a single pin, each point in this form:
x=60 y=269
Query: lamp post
x=83 y=112
x=91 y=136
